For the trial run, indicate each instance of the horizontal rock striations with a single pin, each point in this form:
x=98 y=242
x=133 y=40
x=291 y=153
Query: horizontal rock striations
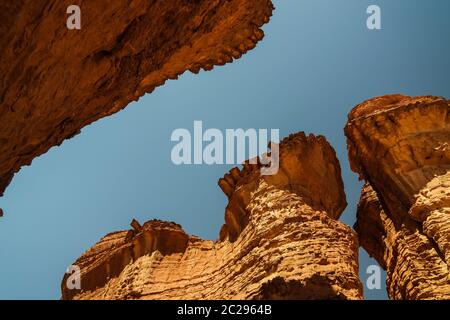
x=280 y=240
x=400 y=146
x=55 y=81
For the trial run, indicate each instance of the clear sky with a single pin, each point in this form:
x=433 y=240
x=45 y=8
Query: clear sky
x=317 y=61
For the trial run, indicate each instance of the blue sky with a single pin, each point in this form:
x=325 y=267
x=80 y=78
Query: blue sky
x=316 y=62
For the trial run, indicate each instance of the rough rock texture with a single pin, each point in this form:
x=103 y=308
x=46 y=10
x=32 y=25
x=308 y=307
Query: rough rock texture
x=401 y=147
x=54 y=81
x=280 y=240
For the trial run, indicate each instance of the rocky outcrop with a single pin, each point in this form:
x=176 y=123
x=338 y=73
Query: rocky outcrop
x=400 y=146
x=55 y=81
x=281 y=240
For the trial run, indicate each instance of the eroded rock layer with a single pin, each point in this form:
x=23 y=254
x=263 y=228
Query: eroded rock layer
x=280 y=240
x=54 y=81
x=400 y=146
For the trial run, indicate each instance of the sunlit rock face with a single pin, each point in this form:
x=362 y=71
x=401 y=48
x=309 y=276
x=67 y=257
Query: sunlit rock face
x=281 y=240
x=400 y=146
x=55 y=81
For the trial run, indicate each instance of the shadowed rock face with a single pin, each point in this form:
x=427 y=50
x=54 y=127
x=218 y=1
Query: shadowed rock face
x=400 y=146
x=55 y=81
x=280 y=240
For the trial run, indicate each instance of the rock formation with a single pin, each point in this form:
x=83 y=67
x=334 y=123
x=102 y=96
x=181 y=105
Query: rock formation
x=281 y=237
x=400 y=146
x=55 y=81
x=281 y=240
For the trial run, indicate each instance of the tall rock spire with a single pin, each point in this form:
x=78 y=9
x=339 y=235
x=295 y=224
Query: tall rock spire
x=400 y=146
x=281 y=240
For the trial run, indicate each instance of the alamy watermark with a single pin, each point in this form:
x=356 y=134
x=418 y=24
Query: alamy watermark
x=374 y=19
x=373 y=281
x=73 y=281
x=73 y=21
x=234 y=146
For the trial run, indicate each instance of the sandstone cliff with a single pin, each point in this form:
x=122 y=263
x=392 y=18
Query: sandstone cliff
x=54 y=81
x=280 y=240
x=400 y=146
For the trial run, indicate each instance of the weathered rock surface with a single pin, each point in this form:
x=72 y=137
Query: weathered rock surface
x=55 y=81
x=280 y=240
x=400 y=146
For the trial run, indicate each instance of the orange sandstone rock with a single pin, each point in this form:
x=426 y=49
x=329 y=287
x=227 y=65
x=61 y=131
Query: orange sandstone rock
x=55 y=81
x=280 y=240
x=400 y=146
